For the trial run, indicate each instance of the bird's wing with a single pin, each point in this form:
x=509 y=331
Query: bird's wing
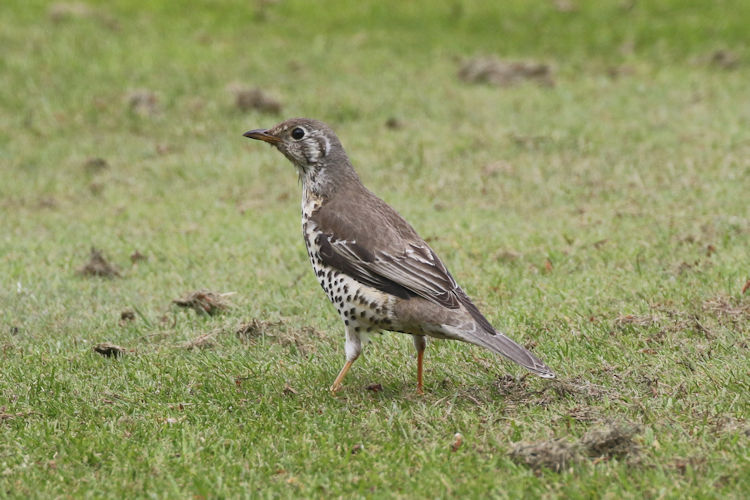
x=381 y=249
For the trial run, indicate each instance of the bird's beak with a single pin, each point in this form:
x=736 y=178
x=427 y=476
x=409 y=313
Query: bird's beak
x=262 y=134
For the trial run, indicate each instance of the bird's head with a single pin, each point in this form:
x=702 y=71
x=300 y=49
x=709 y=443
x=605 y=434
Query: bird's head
x=313 y=148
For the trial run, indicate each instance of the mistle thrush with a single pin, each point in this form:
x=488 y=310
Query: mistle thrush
x=371 y=263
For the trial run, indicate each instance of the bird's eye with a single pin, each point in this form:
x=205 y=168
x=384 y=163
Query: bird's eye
x=298 y=133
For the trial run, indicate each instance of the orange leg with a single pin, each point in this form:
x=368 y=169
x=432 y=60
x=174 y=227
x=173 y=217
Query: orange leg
x=337 y=383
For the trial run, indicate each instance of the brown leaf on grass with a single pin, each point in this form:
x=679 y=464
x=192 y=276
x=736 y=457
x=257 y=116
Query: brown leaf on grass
x=374 y=387
x=109 y=350
x=495 y=71
x=248 y=99
x=289 y=390
x=204 y=341
x=555 y=454
x=746 y=287
x=614 y=440
x=98 y=266
x=205 y=302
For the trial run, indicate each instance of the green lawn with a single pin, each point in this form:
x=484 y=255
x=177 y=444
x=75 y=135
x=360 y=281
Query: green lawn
x=603 y=221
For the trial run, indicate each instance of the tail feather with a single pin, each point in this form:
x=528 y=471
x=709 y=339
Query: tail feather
x=483 y=334
x=508 y=348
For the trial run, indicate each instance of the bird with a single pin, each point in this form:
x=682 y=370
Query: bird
x=376 y=270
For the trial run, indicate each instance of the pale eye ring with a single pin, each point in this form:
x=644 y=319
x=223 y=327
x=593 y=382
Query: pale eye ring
x=298 y=133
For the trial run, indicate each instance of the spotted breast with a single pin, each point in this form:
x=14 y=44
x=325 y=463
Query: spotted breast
x=364 y=309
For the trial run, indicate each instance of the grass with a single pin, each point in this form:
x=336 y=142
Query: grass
x=604 y=221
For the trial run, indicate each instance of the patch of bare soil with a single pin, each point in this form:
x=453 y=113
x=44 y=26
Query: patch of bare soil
x=249 y=99
x=97 y=265
x=495 y=71
x=109 y=350
x=205 y=302
x=616 y=440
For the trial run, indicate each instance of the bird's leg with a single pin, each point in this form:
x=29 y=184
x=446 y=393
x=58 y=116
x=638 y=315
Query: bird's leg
x=353 y=348
x=420 y=344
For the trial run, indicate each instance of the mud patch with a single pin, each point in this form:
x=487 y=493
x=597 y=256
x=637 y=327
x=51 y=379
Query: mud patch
x=97 y=265
x=109 y=350
x=205 y=302
x=494 y=71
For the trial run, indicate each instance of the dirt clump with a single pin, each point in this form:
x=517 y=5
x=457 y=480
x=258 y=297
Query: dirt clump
x=109 y=350
x=614 y=440
x=495 y=71
x=205 y=302
x=95 y=165
x=254 y=328
x=255 y=99
x=127 y=316
x=97 y=265
x=555 y=454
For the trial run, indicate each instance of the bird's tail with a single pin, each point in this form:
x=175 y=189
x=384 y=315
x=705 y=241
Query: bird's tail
x=506 y=347
x=483 y=334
